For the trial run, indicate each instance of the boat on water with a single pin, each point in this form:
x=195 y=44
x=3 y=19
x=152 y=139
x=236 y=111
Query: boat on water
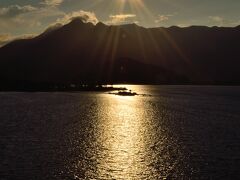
x=126 y=93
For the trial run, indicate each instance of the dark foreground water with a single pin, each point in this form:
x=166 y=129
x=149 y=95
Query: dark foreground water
x=181 y=132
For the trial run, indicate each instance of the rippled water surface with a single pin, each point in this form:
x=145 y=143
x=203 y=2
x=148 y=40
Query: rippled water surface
x=182 y=132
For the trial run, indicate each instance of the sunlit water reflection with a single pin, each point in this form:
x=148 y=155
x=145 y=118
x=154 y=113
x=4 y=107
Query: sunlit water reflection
x=122 y=139
x=125 y=139
x=183 y=132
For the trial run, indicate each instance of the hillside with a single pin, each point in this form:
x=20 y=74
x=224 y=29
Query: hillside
x=85 y=53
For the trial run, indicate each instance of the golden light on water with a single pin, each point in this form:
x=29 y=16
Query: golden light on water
x=123 y=140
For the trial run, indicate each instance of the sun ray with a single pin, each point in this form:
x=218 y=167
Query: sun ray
x=143 y=13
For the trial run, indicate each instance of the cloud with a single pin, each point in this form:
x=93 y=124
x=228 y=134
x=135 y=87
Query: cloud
x=26 y=18
x=236 y=23
x=15 y=10
x=16 y=16
x=85 y=16
x=216 y=18
x=53 y=27
x=121 y=19
x=6 y=38
x=220 y=21
x=162 y=18
x=52 y=2
x=29 y=19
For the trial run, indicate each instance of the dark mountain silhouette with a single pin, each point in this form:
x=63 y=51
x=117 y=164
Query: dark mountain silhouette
x=85 y=53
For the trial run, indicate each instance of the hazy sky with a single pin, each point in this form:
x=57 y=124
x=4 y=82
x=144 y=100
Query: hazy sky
x=27 y=17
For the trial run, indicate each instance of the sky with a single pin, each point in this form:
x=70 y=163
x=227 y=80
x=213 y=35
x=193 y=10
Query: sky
x=28 y=18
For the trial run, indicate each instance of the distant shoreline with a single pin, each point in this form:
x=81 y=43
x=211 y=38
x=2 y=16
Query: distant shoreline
x=62 y=89
x=103 y=88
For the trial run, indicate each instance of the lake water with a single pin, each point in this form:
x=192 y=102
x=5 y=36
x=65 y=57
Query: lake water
x=182 y=132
